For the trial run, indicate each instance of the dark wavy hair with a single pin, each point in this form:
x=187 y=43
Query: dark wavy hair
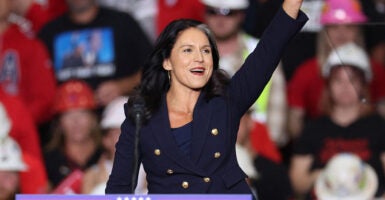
x=155 y=80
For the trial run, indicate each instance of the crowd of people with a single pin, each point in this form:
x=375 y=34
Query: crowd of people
x=67 y=67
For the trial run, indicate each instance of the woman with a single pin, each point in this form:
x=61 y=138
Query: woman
x=187 y=143
x=75 y=143
x=348 y=126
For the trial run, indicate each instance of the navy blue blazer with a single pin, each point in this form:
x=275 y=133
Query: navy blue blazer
x=212 y=166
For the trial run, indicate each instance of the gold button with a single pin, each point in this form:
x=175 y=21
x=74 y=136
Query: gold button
x=185 y=184
x=206 y=179
x=157 y=152
x=214 y=131
x=170 y=171
x=217 y=155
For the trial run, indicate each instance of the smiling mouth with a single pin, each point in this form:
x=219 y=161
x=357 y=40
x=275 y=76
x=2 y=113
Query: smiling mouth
x=198 y=71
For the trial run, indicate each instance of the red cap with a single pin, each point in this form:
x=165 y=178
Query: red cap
x=74 y=94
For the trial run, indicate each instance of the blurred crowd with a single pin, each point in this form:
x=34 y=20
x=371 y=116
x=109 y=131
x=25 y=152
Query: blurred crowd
x=68 y=66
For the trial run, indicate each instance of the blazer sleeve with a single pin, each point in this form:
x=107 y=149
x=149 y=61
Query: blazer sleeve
x=247 y=84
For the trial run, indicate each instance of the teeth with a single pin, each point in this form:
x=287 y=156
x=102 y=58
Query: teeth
x=197 y=70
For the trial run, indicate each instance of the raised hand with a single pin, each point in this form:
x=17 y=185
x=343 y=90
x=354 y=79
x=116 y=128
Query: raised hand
x=291 y=7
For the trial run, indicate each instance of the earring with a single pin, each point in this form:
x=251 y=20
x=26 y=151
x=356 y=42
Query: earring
x=169 y=77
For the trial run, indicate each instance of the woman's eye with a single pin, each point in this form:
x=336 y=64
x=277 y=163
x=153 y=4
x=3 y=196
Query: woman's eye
x=187 y=50
x=206 y=51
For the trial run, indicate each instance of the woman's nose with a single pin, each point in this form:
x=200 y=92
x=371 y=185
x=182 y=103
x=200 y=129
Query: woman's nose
x=199 y=56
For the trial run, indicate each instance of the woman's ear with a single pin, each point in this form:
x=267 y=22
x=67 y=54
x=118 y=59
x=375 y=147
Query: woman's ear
x=167 y=64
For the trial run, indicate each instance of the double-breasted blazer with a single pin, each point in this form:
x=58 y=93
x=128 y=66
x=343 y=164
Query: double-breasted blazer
x=212 y=166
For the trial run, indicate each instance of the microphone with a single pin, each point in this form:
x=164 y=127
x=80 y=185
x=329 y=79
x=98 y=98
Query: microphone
x=137 y=115
x=136 y=111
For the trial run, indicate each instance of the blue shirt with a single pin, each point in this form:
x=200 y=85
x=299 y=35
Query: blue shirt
x=182 y=136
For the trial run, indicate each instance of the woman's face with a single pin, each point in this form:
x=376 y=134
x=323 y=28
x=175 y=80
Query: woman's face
x=342 y=34
x=77 y=124
x=191 y=62
x=345 y=86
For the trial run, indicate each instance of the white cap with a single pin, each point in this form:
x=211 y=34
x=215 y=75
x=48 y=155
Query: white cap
x=348 y=54
x=5 y=124
x=113 y=115
x=346 y=177
x=227 y=4
x=11 y=156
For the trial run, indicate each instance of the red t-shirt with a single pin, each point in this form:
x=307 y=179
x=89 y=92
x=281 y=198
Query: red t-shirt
x=262 y=144
x=39 y=14
x=305 y=88
x=171 y=10
x=26 y=72
x=34 y=180
x=24 y=132
x=168 y=11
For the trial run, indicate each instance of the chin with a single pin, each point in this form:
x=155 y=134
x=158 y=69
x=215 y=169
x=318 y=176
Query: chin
x=199 y=86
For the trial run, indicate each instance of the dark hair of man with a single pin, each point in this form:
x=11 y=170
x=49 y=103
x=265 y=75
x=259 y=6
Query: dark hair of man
x=155 y=79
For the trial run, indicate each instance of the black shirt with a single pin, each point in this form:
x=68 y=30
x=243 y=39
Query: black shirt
x=110 y=46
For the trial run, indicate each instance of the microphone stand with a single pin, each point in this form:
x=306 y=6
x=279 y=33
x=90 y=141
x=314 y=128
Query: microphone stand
x=138 y=115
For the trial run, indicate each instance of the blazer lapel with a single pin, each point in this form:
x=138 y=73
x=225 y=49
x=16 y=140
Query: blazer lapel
x=160 y=129
x=201 y=121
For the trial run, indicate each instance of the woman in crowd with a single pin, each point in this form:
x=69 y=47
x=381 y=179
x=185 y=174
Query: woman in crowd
x=75 y=143
x=348 y=126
